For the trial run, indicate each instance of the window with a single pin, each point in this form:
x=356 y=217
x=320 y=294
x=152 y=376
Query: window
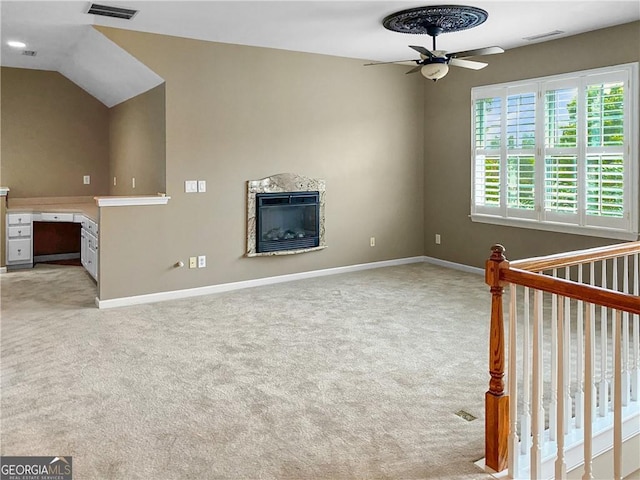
x=559 y=153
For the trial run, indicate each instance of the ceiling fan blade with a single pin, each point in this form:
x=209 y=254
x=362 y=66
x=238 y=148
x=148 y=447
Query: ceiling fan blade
x=387 y=63
x=422 y=50
x=458 y=62
x=477 y=52
x=414 y=70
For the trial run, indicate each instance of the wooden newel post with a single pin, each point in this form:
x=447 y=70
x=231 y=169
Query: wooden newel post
x=496 y=402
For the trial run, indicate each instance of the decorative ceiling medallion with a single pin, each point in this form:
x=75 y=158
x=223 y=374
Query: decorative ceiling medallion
x=435 y=19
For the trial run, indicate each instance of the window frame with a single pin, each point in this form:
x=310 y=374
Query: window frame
x=623 y=228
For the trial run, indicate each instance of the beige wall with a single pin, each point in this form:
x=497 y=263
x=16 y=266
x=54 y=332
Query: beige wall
x=53 y=133
x=236 y=113
x=137 y=144
x=447 y=144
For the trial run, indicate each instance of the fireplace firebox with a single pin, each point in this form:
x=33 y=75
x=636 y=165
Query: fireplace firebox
x=287 y=221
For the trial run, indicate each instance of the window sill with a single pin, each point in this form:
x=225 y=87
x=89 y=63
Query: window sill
x=556 y=227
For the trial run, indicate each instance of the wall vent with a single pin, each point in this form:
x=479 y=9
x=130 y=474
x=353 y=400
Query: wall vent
x=109 y=11
x=29 y=53
x=543 y=35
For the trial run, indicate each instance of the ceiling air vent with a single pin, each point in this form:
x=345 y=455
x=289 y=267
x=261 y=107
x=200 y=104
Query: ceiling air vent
x=115 y=12
x=543 y=35
x=29 y=53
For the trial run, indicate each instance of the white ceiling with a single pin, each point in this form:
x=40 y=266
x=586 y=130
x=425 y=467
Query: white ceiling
x=60 y=32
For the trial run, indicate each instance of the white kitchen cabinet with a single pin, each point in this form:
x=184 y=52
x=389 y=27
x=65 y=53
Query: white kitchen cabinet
x=19 y=240
x=89 y=246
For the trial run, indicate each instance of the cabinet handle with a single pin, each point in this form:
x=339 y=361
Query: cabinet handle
x=19 y=232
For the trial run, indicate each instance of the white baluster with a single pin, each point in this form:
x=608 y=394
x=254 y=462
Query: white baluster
x=603 y=391
x=592 y=326
x=589 y=347
x=560 y=465
x=625 y=338
x=553 y=402
x=579 y=358
x=514 y=453
x=525 y=421
x=566 y=358
x=617 y=396
x=537 y=420
x=635 y=361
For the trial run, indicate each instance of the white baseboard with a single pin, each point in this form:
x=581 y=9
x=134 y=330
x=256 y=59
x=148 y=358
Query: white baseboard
x=455 y=266
x=258 y=282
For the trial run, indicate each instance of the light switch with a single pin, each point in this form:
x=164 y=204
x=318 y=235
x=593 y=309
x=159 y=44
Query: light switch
x=202 y=186
x=190 y=186
x=86 y=179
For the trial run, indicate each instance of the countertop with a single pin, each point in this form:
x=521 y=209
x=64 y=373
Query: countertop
x=83 y=205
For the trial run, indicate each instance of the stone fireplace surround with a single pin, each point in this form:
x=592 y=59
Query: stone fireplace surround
x=283 y=182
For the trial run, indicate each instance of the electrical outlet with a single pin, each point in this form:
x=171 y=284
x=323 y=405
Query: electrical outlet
x=202 y=261
x=86 y=179
x=372 y=241
x=193 y=262
x=190 y=186
x=133 y=182
x=115 y=181
x=202 y=186
x=437 y=239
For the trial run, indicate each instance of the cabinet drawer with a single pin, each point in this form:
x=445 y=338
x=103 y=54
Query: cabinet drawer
x=19 y=219
x=56 y=217
x=20 y=231
x=91 y=226
x=19 y=250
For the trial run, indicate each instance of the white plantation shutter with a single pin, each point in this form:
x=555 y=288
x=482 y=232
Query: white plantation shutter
x=607 y=170
x=520 y=151
x=487 y=140
x=558 y=153
x=561 y=171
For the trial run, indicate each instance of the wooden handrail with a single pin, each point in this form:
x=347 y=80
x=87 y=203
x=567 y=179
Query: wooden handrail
x=567 y=288
x=560 y=260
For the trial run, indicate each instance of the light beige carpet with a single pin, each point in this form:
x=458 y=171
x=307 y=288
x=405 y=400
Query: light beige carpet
x=353 y=376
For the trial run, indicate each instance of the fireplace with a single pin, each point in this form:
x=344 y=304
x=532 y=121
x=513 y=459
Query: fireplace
x=285 y=215
x=287 y=221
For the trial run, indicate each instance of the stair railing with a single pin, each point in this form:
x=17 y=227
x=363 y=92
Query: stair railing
x=570 y=408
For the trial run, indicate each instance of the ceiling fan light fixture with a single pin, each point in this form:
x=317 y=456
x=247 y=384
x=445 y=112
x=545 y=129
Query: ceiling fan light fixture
x=434 y=71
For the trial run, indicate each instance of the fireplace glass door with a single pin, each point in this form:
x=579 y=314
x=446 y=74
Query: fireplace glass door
x=287 y=221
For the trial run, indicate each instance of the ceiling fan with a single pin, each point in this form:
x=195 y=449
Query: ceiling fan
x=434 y=20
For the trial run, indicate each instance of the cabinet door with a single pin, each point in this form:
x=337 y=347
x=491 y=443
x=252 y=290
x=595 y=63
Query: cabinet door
x=19 y=250
x=83 y=247
x=92 y=263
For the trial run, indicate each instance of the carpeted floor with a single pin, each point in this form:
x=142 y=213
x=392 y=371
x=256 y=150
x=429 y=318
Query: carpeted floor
x=353 y=376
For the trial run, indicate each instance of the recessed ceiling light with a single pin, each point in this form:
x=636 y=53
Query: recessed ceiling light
x=16 y=44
